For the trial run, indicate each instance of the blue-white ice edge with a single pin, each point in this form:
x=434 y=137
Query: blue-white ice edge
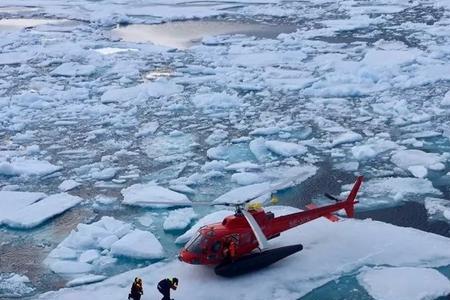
x=331 y=250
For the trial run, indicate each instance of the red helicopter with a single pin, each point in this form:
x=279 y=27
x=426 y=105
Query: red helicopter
x=250 y=228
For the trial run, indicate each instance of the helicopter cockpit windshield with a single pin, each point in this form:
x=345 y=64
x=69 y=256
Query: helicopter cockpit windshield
x=195 y=243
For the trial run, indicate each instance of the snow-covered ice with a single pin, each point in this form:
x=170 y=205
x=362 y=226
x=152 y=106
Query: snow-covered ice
x=138 y=244
x=14 y=285
x=34 y=214
x=355 y=244
x=404 y=283
x=179 y=219
x=146 y=194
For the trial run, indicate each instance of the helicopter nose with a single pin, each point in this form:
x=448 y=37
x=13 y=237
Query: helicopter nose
x=189 y=257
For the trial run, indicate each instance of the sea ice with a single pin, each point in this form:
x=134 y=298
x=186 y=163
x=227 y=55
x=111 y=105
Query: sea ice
x=438 y=208
x=12 y=201
x=179 y=219
x=391 y=190
x=29 y=167
x=149 y=246
x=446 y=100
x=87 y=279
x=285 y=149
x=73 y=69
x=14 y=285
x=416 y=161
x=404 y=283
x=145 y=194
x=68 y=185
x=38 y=212
x=354 y=244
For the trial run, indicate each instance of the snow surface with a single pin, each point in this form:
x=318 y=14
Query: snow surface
x=355 y=243
x=404 y=283
x=145 y=194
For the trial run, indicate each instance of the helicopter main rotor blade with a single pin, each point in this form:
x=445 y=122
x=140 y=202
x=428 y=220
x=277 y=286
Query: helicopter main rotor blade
x=331 y=197
x=260 y=237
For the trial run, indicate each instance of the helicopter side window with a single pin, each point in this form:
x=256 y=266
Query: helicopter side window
x=194 y=245
x=216 y=246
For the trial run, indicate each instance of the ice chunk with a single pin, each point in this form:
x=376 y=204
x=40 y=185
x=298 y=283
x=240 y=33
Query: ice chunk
x=89 y=256
x=216 y=100
x=138 y=244
x=347 y=137
x=214 y=217
x=285 y=149
x=70 y=267
x=446 y=100
x=110 y=50
x=265 y=131
x=372 y=148
x=68 y=185
x=418 y=171
x=70 y=69
x=11 y=202
x=391 y=190
x=404 y=283
x=259 y=149
x=247 y=178
x=147 y=128
x=36 y=213
x=438 y=208
x=88 y=279
x=411 y=159
x=104 y=174
x=145 y=194
x=179 y=219
x=243 y=166
x=14 y=285
x=21 y=166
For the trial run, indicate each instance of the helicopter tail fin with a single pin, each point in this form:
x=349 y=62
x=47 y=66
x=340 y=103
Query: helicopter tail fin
x=350 y=202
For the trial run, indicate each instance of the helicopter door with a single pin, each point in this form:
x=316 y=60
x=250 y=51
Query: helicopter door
x=215 y=250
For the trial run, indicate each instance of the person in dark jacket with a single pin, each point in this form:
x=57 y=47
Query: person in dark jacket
x=136 y=290
x=165 y=285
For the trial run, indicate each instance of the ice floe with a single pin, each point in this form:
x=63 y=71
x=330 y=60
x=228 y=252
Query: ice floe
x=285 y=149
x=145 y=194
x=438 y=208
x=14 y=285
x=179 y=219
x=34 y=213
x=392 y=190
x=355 y=244
x=149 y=246
x=404 y=283
x=27 y=167
x=92 y=246
x=418 y=161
